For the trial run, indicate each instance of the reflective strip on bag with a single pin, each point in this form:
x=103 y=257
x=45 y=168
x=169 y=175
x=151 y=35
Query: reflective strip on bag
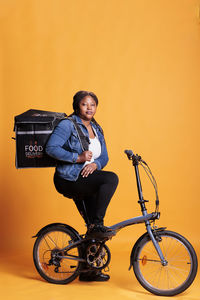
x=35 y=132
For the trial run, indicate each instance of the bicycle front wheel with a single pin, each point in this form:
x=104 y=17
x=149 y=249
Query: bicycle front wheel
x=177 y=275
x=54 y=264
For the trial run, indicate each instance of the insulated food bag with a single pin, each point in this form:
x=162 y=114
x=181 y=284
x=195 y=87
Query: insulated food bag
x=32 y=129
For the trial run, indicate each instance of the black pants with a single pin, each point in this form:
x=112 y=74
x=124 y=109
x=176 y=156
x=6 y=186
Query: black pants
x=92 y=193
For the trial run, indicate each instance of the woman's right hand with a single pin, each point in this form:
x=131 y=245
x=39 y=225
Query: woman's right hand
x=84 y=156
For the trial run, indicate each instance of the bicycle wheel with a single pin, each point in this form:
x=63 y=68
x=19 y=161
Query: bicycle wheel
x=52 y=263
x=179 y=272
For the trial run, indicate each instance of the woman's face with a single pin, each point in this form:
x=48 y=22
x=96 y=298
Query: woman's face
x=87 y=108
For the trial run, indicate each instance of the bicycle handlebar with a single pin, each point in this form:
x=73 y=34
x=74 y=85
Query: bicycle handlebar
x=129 y=153
x=133 y=157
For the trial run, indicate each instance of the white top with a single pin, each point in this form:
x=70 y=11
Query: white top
x=95 y=148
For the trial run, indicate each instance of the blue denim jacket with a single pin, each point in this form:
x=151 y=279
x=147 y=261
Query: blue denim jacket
x=64 y=146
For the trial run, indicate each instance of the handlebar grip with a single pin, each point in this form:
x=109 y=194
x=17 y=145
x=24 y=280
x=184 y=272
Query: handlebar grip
x=129 y=153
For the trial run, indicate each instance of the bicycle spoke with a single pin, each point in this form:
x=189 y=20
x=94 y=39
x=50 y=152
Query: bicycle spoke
x=178 y=269
x=52 y=240
x=47 y=243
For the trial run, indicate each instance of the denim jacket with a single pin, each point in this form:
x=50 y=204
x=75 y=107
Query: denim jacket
x=64 y=146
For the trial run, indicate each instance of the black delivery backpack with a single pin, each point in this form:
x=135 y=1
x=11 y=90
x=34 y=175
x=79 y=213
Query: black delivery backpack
x=32 y=129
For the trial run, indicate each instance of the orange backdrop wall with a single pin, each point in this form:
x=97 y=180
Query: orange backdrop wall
x=142 y=59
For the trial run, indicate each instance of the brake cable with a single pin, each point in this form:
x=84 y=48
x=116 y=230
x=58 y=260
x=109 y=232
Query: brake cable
x=152 y=179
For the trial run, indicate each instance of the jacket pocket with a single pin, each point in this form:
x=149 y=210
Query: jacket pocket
x=74 y=141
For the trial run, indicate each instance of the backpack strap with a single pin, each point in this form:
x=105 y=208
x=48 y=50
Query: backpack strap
x=84 y=141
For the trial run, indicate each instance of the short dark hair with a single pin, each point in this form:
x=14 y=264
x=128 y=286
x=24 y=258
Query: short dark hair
x=79 y=96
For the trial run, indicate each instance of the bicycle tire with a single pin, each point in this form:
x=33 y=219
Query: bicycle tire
x=50 y=241
x=168 y=280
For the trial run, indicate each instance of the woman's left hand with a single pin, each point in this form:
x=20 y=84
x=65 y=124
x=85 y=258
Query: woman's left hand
x=88 y=169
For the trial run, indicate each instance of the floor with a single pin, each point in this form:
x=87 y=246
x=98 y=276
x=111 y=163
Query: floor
x=19 y=280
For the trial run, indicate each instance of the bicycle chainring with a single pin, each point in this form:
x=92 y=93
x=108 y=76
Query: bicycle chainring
x=98 y=255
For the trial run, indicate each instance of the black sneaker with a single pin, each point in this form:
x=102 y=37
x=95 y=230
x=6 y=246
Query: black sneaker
x=94 y=276
x=99 y=231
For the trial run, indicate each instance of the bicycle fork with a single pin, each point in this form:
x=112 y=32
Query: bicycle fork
x=156 y=244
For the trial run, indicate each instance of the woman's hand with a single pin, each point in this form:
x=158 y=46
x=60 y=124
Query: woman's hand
x=88 y=169
x=84 y=156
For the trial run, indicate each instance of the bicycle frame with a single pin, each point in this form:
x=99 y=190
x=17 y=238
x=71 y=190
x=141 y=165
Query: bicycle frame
x=145 y=218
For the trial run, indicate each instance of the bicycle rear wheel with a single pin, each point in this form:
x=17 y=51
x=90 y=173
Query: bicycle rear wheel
x=50 y=261
x=180 y=270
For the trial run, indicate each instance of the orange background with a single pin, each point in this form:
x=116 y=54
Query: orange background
x=142 y=59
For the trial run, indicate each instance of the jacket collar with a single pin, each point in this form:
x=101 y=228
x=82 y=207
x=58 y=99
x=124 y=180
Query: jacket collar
x=79 y=121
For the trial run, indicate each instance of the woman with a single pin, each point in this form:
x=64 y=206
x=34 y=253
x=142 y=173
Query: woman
x=79 y=173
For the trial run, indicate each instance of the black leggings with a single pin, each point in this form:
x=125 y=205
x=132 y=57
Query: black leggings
x=96 y=190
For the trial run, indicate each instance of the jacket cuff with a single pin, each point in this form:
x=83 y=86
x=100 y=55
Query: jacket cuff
x=74 y=157
x=98 y=164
